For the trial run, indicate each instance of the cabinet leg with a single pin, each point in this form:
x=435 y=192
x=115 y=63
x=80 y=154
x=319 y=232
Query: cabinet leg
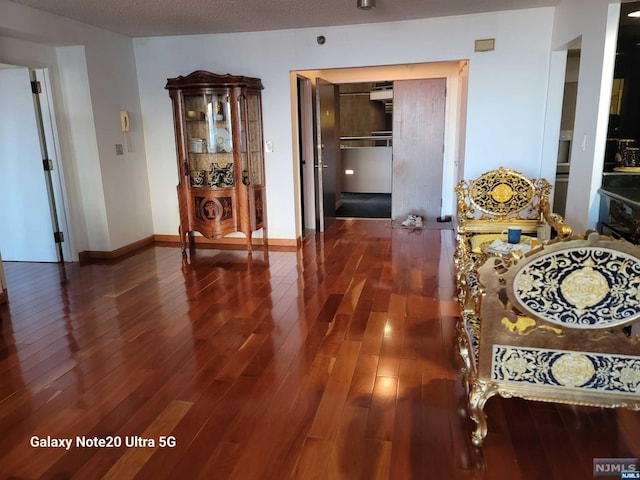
x=191 y=242
x=182 y=242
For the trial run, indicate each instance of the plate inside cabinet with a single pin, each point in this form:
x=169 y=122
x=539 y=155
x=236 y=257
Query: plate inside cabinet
x=222 y=139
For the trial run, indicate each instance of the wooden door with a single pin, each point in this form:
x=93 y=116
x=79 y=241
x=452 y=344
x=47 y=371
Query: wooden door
x=418 y=147
x=328 y=151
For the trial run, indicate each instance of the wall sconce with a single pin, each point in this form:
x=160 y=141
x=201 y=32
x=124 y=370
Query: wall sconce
x=348 y=172
x=366 y=4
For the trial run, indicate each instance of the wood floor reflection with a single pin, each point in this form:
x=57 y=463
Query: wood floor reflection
x=333 y=362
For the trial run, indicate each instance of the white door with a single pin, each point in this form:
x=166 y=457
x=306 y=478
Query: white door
x=26 y=225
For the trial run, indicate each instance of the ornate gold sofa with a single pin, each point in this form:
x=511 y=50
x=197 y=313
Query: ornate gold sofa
x=496 y=200
x=554 y=326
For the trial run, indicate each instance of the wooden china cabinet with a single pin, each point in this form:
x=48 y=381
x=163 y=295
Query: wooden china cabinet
x=218 y=127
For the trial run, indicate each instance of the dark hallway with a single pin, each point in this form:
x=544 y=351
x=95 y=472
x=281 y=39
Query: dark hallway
x=365 y=205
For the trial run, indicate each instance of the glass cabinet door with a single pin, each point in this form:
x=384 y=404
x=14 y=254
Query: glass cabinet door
x=209 y=140
x=255 y=139
x=244 y=157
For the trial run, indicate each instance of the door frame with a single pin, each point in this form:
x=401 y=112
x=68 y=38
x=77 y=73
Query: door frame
x=51 y=146
x=456 y=73
x=306 y=173
x=59 y=187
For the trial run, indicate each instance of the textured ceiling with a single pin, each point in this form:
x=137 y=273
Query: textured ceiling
x=142 y=18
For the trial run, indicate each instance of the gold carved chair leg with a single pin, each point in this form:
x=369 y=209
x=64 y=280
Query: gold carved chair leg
x=480 y=392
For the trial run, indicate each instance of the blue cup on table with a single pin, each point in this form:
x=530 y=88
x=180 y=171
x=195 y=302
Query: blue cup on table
x=513 y=234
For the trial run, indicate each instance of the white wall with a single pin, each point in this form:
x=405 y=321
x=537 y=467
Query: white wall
x=83 y=164
x=594 y=23
x=372 y=170
x=113 y=82
x=506 y=97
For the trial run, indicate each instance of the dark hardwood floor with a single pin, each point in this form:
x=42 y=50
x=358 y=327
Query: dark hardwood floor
x=337 y=361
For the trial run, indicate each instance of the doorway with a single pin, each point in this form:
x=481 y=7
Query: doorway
x=32 y=203
x=366 y=113
x=567 y=120
x=453 y=73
